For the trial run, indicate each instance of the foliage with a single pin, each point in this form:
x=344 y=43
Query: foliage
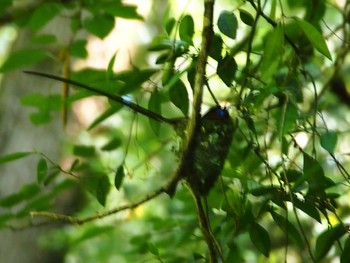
x=280 y=64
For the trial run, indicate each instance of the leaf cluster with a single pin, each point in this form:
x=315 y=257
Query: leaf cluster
x=273 y=66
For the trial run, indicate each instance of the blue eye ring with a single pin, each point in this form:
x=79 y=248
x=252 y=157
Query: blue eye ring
x=222 y=112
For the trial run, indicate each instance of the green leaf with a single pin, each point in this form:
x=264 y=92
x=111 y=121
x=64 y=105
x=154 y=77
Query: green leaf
x=226 y=69
x=43 y=14
x=112 y=144
x=110 y=66
x=288 y=228
x=41 y=170
x=22 y=58
x=119 y=176
x=169 y=26
x=106 y=114
x=216 y=48
x=345 y=256
x=260 y=238
x=13 y=156
x=228 y=24
x=102 y=189
x=315 y=37
x=292 y=175
x=153 y=249
x=29 y=190
x=121 y=10
x=186 y=29
x=179 y=96
x=329 y=141
x=42 y=102
x=26 y=192
x=44 y=105
x=97 y=184
x=287 y=119
x=84 y=151
x=99 y=25
x=314 y=175
x=131 y=80
x=246 y=17
x=154 y=104
x=308 y=208
x=78 y=49
x=326 y=239
x=10 y=200
x=51 y=175
x=273 y=51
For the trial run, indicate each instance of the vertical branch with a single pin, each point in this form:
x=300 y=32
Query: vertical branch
x=194 y=124
x=199 y=81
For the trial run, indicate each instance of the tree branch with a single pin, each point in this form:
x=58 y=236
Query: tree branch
x=186 y=161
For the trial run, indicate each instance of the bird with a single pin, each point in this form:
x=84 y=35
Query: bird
x=211 y=148
x=212 y=142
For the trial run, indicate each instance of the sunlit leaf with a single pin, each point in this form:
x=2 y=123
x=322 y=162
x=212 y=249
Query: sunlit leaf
x=228 y=24
x=315 y=37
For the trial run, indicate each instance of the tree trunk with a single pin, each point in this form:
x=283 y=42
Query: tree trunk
x=17 y=133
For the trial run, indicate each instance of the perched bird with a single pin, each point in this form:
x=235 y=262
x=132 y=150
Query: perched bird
x=211 y=146
x=211 y=149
